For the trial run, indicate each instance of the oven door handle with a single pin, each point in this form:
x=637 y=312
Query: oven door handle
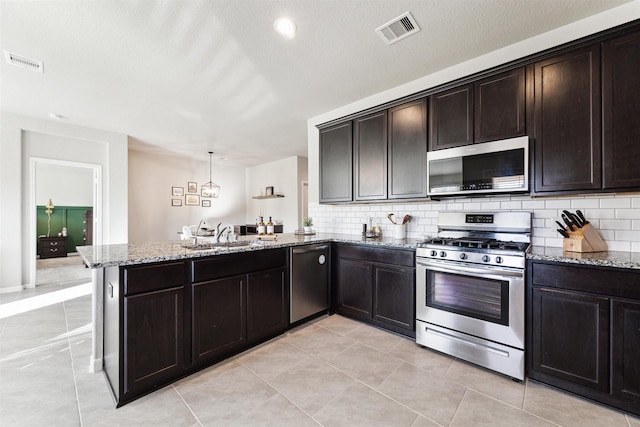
x=472 y=270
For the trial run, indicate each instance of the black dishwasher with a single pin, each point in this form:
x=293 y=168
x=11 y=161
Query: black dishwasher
x=309 y=287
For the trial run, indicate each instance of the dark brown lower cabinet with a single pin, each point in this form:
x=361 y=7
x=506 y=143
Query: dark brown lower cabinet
x=354 y=292
x=154 y=338
x=394 y=296
x=266 y=304
x=583 y=329
x=570 y=336
x=625 y=344
x=376 y=285
x=219 y=313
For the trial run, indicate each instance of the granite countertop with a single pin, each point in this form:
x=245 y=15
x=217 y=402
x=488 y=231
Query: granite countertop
x=600 y=259
x=143 y=253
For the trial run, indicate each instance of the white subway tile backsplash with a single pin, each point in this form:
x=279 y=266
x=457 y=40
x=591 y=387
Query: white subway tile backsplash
x=592 y=214
x=584 y=203
x=615 y=224
x=619 y=246
x=616 y=217
x=556 y=204
x=627 y=213
x=511 y=206
x=615 y=202
x=627 y=235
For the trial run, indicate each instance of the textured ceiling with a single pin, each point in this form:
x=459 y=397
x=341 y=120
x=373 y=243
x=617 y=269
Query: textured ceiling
x=194 y=76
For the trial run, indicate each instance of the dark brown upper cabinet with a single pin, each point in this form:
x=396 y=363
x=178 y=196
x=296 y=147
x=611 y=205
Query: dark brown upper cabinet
x=500 y=106
x=336 y=163
x=621 y=112
x=486 y=110
x=407 y=173
x=370 y=156
x=451 y=119
x=568 y=149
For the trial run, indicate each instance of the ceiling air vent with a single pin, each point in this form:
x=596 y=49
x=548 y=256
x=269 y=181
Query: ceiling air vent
x=398 y=28
x=26 y=63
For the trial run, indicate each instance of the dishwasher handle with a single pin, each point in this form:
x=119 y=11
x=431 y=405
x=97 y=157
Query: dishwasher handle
x=309 y=248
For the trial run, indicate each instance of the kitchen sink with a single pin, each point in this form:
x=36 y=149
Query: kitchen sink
x=216 y=245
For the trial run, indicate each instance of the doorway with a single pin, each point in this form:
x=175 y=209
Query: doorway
x=63 y=177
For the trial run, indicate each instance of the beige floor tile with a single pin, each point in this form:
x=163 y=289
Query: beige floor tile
x=374 y=337
x=276 y=412
x=479 y=410
x=161 y=408
x=568 y=410
x=359 y=405
x=311 y=384
x=423 y=358
x=340 y=324
x=200 y=378
x=228 y=397
x=487 y=382
x=428 y=394
x=321 y=343
x=424 y=422
x=365 y=364
x=272 y=360
x=633 y=421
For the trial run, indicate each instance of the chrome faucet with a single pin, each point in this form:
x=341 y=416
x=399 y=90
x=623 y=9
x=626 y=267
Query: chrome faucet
x=195 y=238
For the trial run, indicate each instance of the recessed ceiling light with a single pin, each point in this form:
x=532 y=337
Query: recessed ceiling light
x=286 y=27
x=56 y=116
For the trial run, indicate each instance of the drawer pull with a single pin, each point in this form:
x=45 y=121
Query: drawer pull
x=54 y=243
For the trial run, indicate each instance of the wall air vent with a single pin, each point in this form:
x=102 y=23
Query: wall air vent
x=398 y=28
x=26 y=63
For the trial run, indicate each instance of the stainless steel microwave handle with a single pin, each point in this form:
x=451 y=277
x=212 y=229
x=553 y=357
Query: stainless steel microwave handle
x=486 y=271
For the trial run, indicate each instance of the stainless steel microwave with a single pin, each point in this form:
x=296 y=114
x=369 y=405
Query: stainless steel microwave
x=489 y=167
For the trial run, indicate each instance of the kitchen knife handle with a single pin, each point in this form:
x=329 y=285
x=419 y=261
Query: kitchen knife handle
x=563 y=232
x=562 y=226
x=581 y=216
x=566 y=220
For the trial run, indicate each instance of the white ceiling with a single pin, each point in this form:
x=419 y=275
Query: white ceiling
x=194 y=76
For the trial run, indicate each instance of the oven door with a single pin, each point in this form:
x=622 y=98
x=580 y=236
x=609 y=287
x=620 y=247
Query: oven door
x=483 y=301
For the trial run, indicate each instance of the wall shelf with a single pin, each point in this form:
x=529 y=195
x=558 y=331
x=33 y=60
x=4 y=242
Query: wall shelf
x=273 y=196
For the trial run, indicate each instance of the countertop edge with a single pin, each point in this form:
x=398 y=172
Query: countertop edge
x=118 y=255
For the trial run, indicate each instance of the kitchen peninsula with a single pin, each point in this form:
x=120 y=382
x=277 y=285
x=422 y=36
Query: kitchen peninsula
x=163 y=310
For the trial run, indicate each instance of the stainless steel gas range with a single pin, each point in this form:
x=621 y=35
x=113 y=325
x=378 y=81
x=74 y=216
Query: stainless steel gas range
x=470 y=288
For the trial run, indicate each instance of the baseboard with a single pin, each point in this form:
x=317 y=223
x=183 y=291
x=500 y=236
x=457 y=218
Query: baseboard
x=6 y=290
x=95 y=365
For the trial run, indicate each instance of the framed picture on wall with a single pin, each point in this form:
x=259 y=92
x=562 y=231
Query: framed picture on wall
x=192 y=200
x=192 y=187
x=177 y=191
x=269 y=191
x=206 y=203
x=176 y=202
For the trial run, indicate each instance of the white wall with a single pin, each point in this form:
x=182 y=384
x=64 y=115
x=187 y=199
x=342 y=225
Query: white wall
x=64 y=185
x=285 y=176
x=617 y=216
x=27 y=137
x=151 y=176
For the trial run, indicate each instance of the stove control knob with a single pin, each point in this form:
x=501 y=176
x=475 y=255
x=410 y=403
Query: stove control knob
x=434 y=253
x=499 y=260
x=443 y=254
x=463 y=256
x=486 y=258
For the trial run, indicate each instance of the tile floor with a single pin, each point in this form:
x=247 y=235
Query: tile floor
x=332 y=372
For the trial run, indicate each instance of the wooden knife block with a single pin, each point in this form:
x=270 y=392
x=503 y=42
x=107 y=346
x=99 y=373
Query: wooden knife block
x=585 y=239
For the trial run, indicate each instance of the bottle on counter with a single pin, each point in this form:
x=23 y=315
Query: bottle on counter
x=270 y=228
x=262 y=228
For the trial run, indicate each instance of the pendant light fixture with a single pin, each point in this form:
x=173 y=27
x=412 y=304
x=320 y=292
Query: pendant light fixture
x=210 y=189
